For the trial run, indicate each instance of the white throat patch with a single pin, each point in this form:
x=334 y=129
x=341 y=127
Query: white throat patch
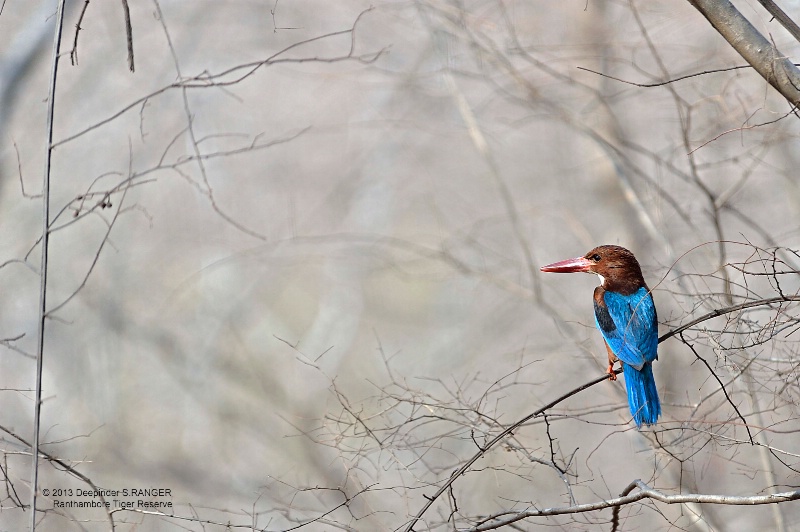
x=602 y=279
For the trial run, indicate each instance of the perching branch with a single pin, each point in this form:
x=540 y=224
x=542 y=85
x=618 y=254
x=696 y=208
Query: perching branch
x=645 y=494
x=509 y=430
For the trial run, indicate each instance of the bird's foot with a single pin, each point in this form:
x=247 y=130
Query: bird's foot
x=611 y=375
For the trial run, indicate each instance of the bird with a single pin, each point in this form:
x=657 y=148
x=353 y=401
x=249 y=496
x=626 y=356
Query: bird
x=625 y=314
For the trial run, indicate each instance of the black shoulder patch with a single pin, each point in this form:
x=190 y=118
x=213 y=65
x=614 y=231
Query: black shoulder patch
x=601 y=311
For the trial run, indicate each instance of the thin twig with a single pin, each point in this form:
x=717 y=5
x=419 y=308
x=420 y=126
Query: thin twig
x=721 y=385
x=727 y=310
x=743 y=128
x=671 y=80
x=73 y=54
x=205 y=80
x=645 y=492
x=275 y=26
x=21 y=181
x=128 y=33
x=43 y=271
x=69 y=469
x=667 y=82
x=781 y=17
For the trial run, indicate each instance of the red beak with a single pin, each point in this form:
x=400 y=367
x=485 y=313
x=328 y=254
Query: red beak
x=578 y=264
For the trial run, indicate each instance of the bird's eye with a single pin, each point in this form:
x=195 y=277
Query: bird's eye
x=596 y=257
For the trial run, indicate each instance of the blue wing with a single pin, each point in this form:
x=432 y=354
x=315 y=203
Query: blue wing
x=629 y=325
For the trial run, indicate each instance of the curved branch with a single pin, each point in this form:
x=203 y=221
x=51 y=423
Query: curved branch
x=509 y=430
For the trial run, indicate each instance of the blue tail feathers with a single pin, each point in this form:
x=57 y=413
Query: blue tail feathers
x=642 y=394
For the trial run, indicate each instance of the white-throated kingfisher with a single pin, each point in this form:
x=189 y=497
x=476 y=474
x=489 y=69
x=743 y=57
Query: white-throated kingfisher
x=626 y=316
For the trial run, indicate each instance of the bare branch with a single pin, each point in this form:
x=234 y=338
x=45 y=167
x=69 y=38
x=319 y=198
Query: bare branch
x=782 y=17
x=216 y=80
x=762 y=55
x=503 y=519
x=667 y=82
x=73 y=54
x=128 y=33
x=494 y=441
x=43 y=270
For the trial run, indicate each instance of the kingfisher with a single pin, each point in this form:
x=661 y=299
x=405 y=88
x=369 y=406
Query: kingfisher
x=626 y=316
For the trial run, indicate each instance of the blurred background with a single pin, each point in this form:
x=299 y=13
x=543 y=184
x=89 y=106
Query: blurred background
x=294 y=261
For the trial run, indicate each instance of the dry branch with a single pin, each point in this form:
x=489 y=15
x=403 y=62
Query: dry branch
x=648 y=494
x=768 y=61
x=502 y=519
